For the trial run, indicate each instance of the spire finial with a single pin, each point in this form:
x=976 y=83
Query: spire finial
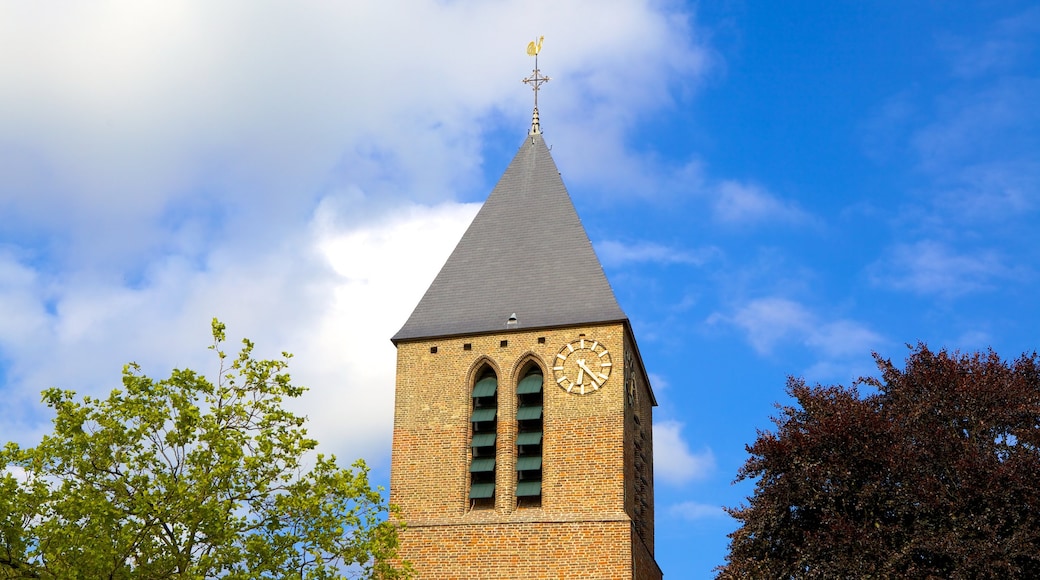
x=535 y=80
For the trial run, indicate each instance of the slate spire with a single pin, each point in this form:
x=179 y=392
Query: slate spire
x=525 y=262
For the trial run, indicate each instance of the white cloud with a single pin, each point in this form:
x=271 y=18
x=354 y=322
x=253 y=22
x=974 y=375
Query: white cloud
x=768 y=321
x=333 y=297
x=741 y=203
x=842 y=338
x=973 y=340
x=23 y=294
x=126 y=110
x=615 y=253
x=17 y=472
x=383 y=270
x=773 y=321
x=290 y=169
x=930 y=267
x=977 y=126
x=972 y=143
x=693 y=511
x=998 y=189
x=976 y=141
x=674 y=463
x=1008 y=42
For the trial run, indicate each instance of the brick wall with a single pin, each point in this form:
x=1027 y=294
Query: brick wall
x=585 y=521
x=578 y=550
x=639 y=452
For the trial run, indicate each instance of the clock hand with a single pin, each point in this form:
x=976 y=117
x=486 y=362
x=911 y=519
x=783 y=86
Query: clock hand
x=595 y=379
x=581 y=372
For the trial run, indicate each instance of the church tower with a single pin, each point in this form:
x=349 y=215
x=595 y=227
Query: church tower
x=522 y=423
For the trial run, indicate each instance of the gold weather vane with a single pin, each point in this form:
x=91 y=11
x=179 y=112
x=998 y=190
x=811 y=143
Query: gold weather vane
x=536 y=80
x=533 y=49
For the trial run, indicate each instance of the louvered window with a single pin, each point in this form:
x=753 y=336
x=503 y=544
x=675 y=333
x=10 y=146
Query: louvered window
x=529 y=439
x=484 y=421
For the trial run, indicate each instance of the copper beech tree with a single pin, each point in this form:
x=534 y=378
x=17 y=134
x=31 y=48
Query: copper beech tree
x=190 y=479
x=933 y=474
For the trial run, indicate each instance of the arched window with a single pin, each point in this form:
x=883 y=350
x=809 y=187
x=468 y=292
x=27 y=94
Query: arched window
x=529 y=438
x=484 y=421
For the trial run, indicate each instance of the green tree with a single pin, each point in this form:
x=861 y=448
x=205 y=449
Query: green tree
x=932 y=475
x=185 y=478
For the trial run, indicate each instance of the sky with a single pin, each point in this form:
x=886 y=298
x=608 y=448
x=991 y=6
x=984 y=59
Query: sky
x=774 y=190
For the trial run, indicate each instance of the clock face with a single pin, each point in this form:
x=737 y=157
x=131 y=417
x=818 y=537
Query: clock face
x=582 y=366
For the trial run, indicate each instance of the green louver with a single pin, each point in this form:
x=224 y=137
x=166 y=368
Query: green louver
x=528 y=463
x=483 y=440
x=530 y=384
x=483 y=490
x=482 y=464
x=528 y=413
x=529 y=438
x=481 y=415
x=526 y=488
x=485 y=387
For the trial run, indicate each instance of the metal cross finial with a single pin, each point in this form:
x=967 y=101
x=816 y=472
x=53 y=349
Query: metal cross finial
x=536 y=80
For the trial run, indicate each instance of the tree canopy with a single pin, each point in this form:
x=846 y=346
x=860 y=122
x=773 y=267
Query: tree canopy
x=190 y=479
x=933 y=474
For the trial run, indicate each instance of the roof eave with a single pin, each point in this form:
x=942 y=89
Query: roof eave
x=398 y=340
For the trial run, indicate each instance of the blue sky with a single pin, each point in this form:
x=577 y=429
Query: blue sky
x=774 y=189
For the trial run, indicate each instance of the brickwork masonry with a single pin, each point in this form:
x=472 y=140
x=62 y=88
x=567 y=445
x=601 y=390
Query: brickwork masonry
x=595 y=519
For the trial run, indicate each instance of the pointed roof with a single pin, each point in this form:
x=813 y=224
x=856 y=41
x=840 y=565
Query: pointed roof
x=526 y=253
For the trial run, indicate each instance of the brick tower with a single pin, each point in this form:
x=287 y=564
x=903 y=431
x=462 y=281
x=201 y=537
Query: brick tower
x=522 y=424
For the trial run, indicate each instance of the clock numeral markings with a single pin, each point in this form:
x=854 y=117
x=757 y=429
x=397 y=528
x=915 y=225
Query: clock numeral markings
x=572 y=358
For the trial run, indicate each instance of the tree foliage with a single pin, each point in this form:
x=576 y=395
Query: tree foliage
x=933 y=475
x=184 y=478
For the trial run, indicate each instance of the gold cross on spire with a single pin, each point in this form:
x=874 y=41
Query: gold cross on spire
x=536 y=80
